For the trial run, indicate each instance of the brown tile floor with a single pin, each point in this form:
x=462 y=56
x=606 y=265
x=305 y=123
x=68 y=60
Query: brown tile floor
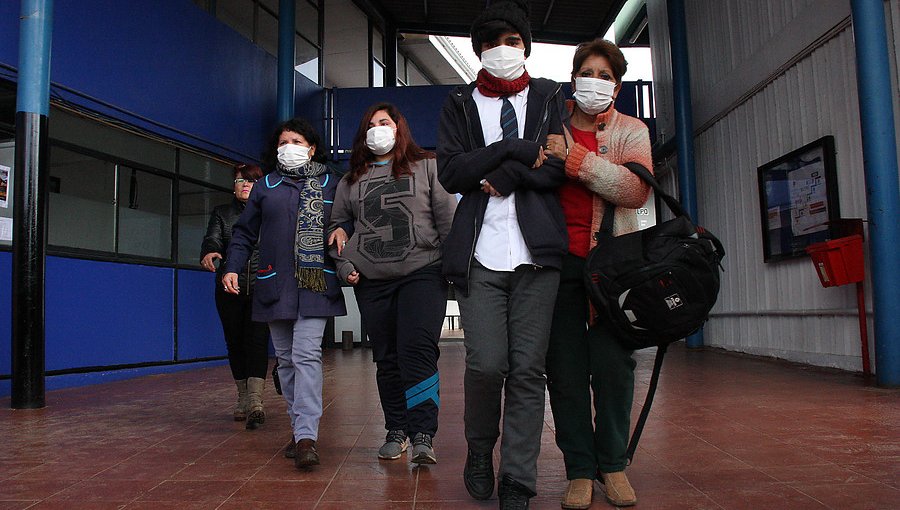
x=726 y=432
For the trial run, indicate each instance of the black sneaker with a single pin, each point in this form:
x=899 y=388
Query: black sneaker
x=478 y=474
x=513 y=495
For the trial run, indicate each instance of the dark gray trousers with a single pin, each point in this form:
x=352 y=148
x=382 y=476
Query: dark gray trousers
x=506 y=318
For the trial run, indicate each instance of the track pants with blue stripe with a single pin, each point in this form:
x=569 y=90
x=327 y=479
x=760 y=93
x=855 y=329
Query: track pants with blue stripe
x=403 y=319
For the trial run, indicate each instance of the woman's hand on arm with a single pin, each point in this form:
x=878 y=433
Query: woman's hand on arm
x=230 y=281
x=338 y=238
x=558 y=145
x=208 y=261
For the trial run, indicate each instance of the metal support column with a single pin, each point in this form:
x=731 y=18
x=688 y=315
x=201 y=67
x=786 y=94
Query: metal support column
x=30 y=208
x=286 y=32
x=390 y=56
x=882 y=188
x=684 y=121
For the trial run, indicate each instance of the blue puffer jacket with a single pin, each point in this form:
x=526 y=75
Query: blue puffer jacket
x=271 y=217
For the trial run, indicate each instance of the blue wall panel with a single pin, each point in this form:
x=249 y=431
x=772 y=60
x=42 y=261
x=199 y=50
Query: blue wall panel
x=420 y=105
x=168 y=61
x=199 y=330
x=5 y=313
x=104 y=313
x=9 y=33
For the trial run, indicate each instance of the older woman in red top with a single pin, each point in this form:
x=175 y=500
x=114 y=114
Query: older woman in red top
x=584 y=357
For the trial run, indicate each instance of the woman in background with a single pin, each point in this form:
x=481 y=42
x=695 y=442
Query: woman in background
x=400 y=215
x=246 y=339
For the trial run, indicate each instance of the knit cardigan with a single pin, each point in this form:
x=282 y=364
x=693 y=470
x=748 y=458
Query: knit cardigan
x=624 y=139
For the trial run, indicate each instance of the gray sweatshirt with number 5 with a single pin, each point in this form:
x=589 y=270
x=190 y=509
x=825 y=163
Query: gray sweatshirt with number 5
x=398 y=224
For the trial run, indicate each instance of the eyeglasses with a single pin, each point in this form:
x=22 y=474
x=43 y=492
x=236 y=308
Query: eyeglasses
x=242 y=181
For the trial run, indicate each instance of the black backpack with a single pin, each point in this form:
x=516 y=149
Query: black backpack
x=654 y=286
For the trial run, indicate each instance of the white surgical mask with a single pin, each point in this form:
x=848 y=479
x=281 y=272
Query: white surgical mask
x=380 y=139
x=593 y=95
x=504 y=62
x=292 y=155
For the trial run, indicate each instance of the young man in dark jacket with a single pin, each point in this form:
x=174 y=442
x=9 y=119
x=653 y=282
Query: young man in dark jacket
x=505 y=247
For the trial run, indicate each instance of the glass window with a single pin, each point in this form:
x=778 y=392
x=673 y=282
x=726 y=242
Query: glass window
x=377 y=74
x=306 y=59
x=267 y=32
x=307 y=18
x=82 y=201
x=204 y=169
x=238 y=14
x=377 y=44
x=90 y=134
x=145 y=214
x=7 y=104
x=415 y=76
x=7 y=156
x=402 y=61
x=195 y=204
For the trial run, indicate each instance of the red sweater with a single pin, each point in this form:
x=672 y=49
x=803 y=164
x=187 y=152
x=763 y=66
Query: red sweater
x=598 y=167
x=577 y=202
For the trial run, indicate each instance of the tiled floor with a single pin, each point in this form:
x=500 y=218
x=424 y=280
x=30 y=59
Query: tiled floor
x=726 y=432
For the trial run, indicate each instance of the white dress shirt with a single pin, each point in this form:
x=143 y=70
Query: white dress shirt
x=500 y=245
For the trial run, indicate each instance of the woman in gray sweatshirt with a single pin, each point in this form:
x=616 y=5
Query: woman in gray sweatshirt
x=400 y=214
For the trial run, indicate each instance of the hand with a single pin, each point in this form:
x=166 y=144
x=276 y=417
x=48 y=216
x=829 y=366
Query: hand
x=487 y=188
x=353 y=278
x=339 y=238
x=540 y=159
x=230 y=281
x=208 y=261
x=556 y=146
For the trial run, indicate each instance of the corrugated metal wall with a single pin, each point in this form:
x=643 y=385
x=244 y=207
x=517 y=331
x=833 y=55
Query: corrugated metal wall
x=761 y=90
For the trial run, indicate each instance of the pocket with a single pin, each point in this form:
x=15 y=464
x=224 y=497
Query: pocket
x=268 y=284
x=423 y=240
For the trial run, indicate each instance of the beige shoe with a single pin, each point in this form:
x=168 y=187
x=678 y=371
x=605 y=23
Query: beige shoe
x=618 y=489
x=578 y=494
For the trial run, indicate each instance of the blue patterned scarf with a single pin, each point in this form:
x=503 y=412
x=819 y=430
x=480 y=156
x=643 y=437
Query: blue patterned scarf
x=309 y=238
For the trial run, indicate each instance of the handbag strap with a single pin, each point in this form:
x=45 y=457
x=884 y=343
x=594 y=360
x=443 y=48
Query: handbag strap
x=645 y=410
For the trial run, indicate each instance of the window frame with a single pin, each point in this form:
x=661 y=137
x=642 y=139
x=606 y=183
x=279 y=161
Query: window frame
x=115 y=256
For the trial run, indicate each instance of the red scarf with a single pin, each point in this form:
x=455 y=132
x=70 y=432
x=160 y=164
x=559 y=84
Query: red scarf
x=491 y=86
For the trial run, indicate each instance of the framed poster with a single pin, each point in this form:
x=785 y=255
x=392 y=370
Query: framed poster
x=798 y=199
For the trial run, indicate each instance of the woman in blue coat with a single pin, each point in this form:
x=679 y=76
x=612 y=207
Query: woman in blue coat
x=296 y=286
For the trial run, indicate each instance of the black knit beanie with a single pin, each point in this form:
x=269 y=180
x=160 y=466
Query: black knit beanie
x=514 y=12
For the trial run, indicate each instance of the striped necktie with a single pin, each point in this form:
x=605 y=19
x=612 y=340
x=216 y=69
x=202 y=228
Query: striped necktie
x=508 y=122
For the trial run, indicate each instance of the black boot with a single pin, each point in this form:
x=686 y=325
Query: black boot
x=513 y=495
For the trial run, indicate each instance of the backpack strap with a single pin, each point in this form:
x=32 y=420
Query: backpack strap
x=648 y=402
x=645 y=175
